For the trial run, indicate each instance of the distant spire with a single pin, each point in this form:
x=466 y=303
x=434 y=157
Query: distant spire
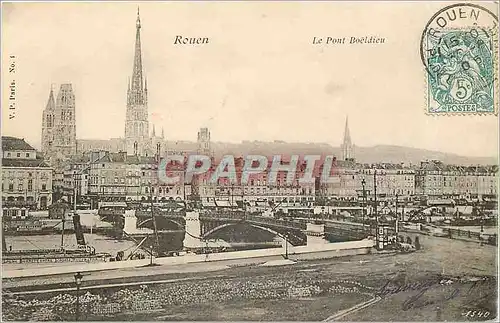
x=162 y=132
x=154 y=131
x=347 y=134
x=347 y=146
x=51 y=102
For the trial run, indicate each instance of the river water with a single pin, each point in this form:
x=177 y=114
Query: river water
x=236 y=237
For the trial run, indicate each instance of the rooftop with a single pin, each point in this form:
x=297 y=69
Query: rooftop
x=16 y=162
x=127 y=159
x=439 y=166
x=13 y=143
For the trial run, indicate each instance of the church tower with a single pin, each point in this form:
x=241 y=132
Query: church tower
x=64 y=131
x=48 y=125
x=204 y=142
x=347 y=147
x=136 y=123
x=158 y=147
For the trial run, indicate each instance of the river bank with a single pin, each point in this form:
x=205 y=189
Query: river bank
x=303 y=291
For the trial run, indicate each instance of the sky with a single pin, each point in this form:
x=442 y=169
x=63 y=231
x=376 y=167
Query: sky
x=259 y=78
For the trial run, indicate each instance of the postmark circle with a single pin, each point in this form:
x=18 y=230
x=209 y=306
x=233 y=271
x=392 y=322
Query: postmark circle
x=459 y=16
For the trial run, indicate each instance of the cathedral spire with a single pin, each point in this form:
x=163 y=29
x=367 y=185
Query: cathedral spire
x=138 y=18
x=137 y=127
x=162 y=132
x=154 y=131
x=137 y=77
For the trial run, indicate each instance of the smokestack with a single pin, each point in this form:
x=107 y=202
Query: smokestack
x=80 y=239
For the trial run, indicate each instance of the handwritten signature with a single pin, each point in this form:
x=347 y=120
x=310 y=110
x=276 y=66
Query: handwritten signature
x=396 y=286
x=459 y=286
x=418 y=300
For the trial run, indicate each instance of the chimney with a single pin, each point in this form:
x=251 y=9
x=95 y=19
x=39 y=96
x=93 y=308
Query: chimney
x=123 y=155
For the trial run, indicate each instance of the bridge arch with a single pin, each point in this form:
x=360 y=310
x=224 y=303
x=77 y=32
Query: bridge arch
x=225 y=225
x=179 y=225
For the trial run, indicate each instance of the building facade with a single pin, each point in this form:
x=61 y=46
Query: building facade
x=26 y=177
x=118 y=177
x=437 y=179
x=351 y=180
x=112 y=145
x=258 y=193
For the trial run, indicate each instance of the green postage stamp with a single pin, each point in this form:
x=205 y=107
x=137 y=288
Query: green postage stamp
x=459 y=48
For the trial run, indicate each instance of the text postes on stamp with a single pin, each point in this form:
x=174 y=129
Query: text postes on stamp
x=459 y=49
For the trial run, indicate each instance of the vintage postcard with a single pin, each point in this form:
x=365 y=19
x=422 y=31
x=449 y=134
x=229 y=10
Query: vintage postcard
x=250 y=161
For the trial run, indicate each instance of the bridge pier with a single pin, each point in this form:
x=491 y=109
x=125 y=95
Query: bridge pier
x=193 y=231
x=315 y=234
x=130 y=219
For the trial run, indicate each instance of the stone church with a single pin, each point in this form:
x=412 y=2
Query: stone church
x=59 y=123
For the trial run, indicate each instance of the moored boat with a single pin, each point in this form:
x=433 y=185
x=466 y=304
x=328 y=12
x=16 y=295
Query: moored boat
x=83 y=253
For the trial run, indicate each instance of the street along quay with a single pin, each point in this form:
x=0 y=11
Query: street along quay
x=327 y=250
x=428 y=284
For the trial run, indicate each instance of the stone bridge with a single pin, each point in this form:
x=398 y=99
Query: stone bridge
x=201 y=226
